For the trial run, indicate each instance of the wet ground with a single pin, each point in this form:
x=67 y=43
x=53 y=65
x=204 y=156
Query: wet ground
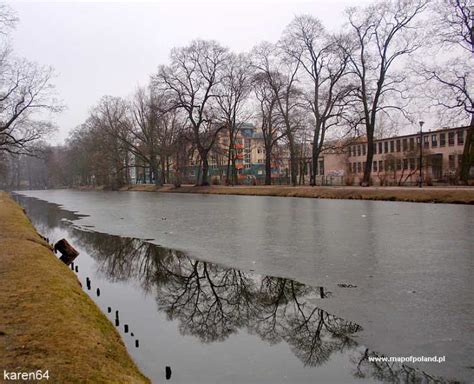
x=262 y=289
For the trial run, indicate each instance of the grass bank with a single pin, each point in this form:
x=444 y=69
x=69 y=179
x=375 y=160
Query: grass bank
x=453 y=195
x=47 y=322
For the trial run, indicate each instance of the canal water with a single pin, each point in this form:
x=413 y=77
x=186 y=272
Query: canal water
x=232 y=289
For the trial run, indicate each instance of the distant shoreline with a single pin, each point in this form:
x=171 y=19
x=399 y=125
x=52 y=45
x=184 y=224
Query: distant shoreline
x=446 y=195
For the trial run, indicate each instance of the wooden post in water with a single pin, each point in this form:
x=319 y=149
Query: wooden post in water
x=67 y=251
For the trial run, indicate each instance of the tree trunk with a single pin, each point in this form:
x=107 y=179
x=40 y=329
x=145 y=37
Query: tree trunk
x=293 y=163
x=468 y=154
x=314 y=165
x=152 y=174
x=315 y=155
x=154 y=169
x=205 y=171
x=370 y=156
x=268 y=165
x=229 y=174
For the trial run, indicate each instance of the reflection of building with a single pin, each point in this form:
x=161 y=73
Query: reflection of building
x=396 y=159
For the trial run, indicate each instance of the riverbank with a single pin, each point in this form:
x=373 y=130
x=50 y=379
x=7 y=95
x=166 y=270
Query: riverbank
x=453 y=195
x=47 y=322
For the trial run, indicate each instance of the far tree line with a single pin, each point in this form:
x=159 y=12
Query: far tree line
x=384 y=65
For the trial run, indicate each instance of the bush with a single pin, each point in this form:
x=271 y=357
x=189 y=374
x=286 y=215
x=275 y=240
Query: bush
x=349 y=179
x=453 y=178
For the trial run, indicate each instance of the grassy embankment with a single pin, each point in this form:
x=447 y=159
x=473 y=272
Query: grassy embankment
x=47 y=322
x=456 y=195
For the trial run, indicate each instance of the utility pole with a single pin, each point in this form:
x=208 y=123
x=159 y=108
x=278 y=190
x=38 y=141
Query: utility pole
x=421 y=153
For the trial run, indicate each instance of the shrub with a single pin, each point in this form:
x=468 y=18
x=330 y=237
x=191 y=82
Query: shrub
x=349 y=179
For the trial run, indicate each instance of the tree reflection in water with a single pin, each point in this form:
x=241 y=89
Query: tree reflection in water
x=212 y=302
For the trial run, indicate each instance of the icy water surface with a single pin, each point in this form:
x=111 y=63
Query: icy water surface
x=269 y=290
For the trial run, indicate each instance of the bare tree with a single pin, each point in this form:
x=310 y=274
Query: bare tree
x=324 y=63
x=8 y=19
x=383 y=33
x=153 y=131
x=110 y=121
x=450 y=81
x=269 y=124
x=232 y=95
x=191 y=82
x=281 y=77
x=26 y=92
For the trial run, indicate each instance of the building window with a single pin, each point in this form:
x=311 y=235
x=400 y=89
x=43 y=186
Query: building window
x=452 y=162
x=405 y=145
x=354 y=167
x=426 y=141
x=405 y=164
x=364 y=149
x=412 y=143
x=375 y=148
x=412 y=163
x=354 y=151
x=380 y=165
x=450 y=138
x=358 y=150
x=349 y=153
x=374 y=167
x=399 y=164
x=434 y=140
x=442 y=139
x=398 y=145
x=380 y=148
x=385 y=144
x=461 y=137
x=392 y=146
x=359 y=167
x=321 y=167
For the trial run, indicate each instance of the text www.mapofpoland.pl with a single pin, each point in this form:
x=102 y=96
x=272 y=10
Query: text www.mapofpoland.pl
x=407 y=359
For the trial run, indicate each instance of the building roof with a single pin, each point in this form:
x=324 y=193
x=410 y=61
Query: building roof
x=363 y=139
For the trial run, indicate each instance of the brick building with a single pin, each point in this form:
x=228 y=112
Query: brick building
x=396 y=159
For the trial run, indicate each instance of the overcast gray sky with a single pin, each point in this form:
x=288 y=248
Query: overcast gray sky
x=109 y=48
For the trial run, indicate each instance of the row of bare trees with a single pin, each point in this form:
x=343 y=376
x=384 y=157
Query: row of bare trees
x=311 y=83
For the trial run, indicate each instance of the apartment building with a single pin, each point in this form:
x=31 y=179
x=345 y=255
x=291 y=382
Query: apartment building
x=250 y=158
